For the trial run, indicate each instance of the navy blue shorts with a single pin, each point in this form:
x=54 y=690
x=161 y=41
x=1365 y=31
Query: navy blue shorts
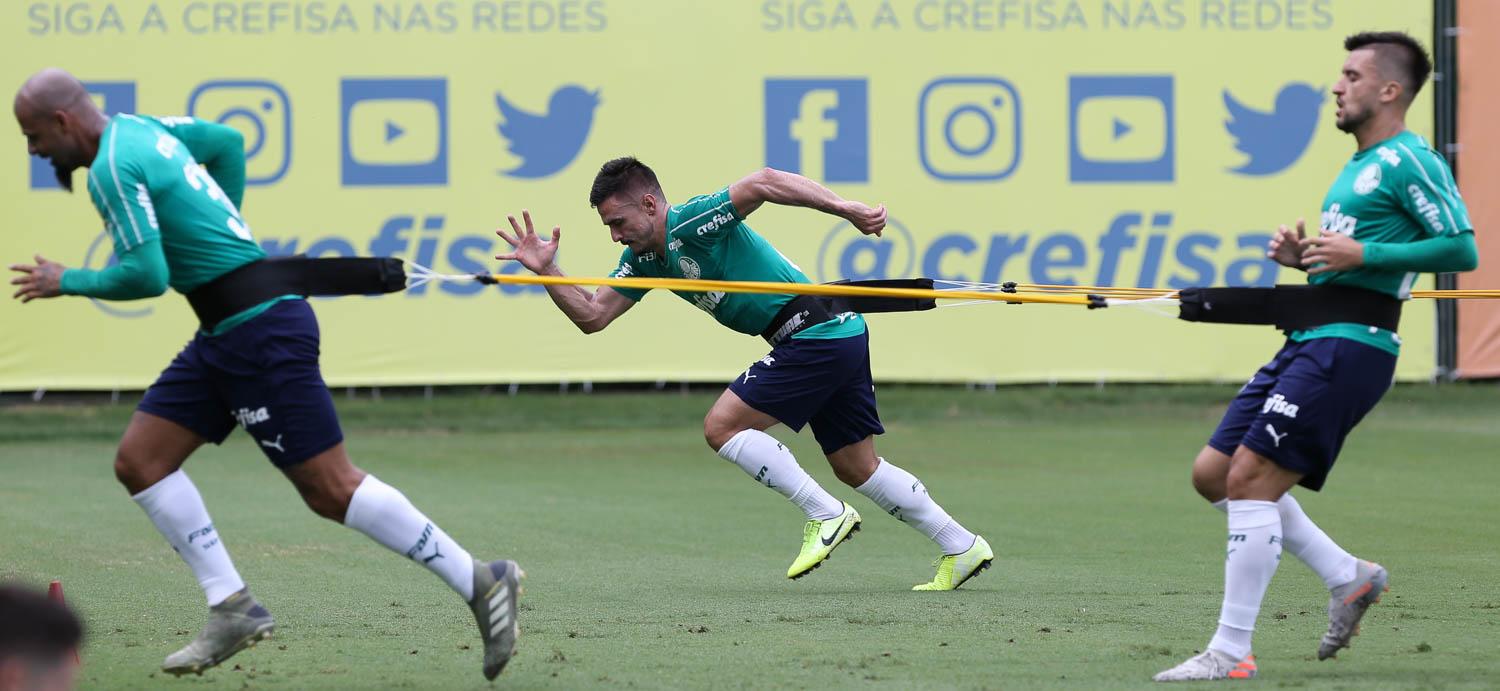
x=262 y=375
x=1298 y=409
x=825 y=382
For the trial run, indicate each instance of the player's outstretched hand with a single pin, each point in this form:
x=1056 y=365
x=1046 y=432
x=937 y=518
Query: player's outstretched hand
x=44 y=280
x=869 y=220
x=1332 y=251
x=534 y=252
x=1285 y=247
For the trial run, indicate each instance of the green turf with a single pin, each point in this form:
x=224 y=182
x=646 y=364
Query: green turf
x=653 y=563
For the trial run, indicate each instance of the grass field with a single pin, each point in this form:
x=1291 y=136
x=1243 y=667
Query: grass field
x=652 y=563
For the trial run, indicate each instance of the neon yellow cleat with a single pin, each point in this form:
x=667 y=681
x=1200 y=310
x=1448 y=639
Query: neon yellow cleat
x=820 y=537
x=954 y=569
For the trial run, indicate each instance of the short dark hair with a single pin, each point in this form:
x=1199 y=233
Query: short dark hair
x=624 y=174
x=34 y=626
x=1398 y=50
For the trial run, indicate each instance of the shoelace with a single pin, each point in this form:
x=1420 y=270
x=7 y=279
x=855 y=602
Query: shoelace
x=944 y=566
x=810 y=531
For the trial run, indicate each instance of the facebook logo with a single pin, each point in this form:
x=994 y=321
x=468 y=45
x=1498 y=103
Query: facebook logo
x=112 y=98
x=819 y=128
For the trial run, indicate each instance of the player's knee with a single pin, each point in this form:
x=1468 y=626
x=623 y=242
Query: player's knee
x=125 y=469
x=854 y=476
x=717 y=431
x=1209 y=483
x=135 y=471
x=1237 y=484
x=1252 y=477
x=1210 y=471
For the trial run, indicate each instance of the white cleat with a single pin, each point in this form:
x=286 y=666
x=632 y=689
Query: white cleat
x=1210 y=665
x=233 y=625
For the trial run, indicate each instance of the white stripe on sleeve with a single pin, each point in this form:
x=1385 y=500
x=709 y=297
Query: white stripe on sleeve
x=115 y=173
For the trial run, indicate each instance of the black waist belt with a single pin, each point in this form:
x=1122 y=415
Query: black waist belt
x=809 y=310
x=267 y=279
x=1290 y=307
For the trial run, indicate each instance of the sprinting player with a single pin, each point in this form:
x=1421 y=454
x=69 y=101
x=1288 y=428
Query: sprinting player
x=169 y=192
x=818 y=370
x=38 y=637
x=1392 y=213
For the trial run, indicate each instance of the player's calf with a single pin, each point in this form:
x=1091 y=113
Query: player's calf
x=327 y=482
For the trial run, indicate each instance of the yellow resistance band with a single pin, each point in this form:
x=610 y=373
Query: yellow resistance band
x=832 y=290
x=1026 y=292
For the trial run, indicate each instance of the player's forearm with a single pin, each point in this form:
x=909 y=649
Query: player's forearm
x=1442 y=254
x=141 y=273
x=577 y=303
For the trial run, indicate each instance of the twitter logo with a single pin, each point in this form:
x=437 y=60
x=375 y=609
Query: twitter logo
x=1274 y=140
x=548 y=142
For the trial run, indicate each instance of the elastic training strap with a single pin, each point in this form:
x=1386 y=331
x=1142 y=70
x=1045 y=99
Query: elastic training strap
x=267 y=279
x=874 y=305
x=1290 y=307
x=798 y=314
x=804 y=311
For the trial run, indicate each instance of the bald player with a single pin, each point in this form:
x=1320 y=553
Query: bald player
x=169 y=192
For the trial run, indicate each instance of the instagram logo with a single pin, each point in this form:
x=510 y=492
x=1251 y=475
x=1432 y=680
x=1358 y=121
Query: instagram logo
x=261 y=111
x=969 y=128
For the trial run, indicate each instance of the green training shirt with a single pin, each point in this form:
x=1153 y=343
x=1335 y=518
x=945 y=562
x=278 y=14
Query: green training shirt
x=1397 y=191
x=707 y=239
x=155 y=197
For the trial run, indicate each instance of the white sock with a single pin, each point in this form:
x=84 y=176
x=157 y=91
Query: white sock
x=384 y=513
x=1254 y=552
x=770 y=463
x=175 y=507
x=902 y=495
x=1305 y=540
x=1313 y=546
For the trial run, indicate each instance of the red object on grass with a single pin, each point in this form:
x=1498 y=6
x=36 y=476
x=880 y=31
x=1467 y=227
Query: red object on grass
x=54 y=593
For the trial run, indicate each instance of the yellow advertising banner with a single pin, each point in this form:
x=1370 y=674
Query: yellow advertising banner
x=1152 y=143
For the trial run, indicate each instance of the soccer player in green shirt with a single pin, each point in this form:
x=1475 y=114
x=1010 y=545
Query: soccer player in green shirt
x=1392 y=213
x=169 y=192
x=818 y=370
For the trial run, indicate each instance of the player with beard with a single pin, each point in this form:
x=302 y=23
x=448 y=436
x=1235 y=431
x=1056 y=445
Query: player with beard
x=1393 y=212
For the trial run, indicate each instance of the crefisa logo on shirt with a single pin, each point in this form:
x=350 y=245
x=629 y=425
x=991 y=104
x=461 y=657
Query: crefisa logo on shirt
x=1368 y=179
x=690 y=268
x=713 y=224
x=1425 y=207
x=1336 y=221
